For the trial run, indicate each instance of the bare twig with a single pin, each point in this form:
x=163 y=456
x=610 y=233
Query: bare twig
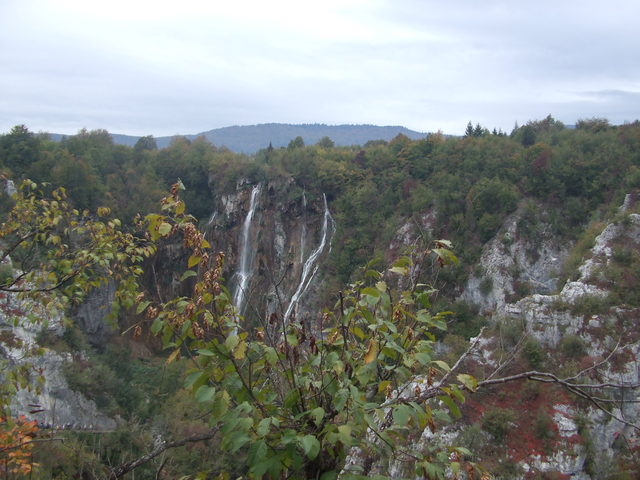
x=121 y=470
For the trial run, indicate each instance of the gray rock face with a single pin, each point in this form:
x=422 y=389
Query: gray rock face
x=512 y=258
x=515 y=265
x=286 y=228
x=549 y=319
x=90 y=315
x=53 y=403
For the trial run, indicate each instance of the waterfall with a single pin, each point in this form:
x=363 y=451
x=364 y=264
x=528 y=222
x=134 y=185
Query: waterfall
x=311 y=265
x=303 y=231
x=246 y=253
x=212 y=218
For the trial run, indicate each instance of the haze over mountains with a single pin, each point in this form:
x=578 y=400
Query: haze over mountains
x=251 y=138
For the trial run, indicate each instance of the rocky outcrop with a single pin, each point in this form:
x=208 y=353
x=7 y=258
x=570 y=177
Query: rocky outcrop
x=91 y=315
x=582 y=312
x=286 y=229
x=514 y=265
x=49 y=400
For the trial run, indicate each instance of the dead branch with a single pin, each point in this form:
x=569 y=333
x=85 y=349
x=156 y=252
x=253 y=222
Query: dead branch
x=121 y=470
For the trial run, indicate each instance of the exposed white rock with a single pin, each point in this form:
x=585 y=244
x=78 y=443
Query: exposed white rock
x=61 y=407
x=510 y=258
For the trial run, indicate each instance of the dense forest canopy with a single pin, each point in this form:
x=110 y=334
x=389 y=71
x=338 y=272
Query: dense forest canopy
x=470 y=182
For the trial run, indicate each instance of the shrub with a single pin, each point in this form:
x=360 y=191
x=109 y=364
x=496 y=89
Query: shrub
x=486 y=286
x=510 y=330
x=497 y=423
x=589 y=305
x=572 y=347
x=534 y=353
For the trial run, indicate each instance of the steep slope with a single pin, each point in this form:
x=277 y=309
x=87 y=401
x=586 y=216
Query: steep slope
x=586 y=333
x=276 y=237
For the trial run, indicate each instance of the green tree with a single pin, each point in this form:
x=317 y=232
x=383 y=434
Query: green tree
x=326 y=142
x=297 y=142
x=468 y=132
x=19 y=149
x=145 y=143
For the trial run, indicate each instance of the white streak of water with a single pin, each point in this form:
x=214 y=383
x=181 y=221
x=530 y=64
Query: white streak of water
x=244 y=271
x=303 y=231
x=212 y=218
x=311 y=265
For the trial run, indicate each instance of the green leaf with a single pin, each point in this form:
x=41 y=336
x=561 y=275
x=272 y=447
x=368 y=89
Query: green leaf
x=445 y=243
x=399 y=270
x=206 y=352
x=423 y=358
x=318 y=415
x=157 y=325
x=173 y=356
x=164 y=229
x=194 y=378
x=221 y=404
x=332 y=475
x=469 y=382
x=205 y=393
x=340 y=398
x=231 y=341
x=187 y=274
x=371 y=291
x=453 y=408
x=382 y=286
x=310 y=445
x=142 y=306
x=263 y=427
x=344 y=434
x=240 y=350
x=401 y=415
x=271 y=355
x=446 y=256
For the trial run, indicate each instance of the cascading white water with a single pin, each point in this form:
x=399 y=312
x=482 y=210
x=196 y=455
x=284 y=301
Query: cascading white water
x=243 y=273
x=303 y=231
x=311 y=265
x=212 y=218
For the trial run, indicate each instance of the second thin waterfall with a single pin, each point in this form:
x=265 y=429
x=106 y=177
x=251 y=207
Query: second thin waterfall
x=311 y=265
x=245 y=259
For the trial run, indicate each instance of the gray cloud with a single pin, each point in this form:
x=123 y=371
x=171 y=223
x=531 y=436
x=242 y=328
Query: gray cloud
x=163 y=68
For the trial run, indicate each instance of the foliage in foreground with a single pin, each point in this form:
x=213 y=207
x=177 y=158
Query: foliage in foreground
x=295 y=398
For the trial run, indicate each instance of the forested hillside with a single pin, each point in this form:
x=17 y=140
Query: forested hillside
x=471 y=183
x=502 y=202
x=249 y=139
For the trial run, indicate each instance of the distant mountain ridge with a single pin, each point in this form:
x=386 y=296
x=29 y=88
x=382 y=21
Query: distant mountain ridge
x=249 y=139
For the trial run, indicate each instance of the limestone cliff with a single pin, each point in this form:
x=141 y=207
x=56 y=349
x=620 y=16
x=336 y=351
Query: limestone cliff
x=286 y=241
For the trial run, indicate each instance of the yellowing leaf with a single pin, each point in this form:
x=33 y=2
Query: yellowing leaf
x=240 y=350
x=231 y=341
x=372 y=352
x=399 y=270
x=443 y=365
x=468 y=381
x=164 y=229
x=193 y=260
x=173 y=356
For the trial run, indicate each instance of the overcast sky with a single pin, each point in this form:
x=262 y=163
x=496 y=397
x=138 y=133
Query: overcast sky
x=185 y=66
